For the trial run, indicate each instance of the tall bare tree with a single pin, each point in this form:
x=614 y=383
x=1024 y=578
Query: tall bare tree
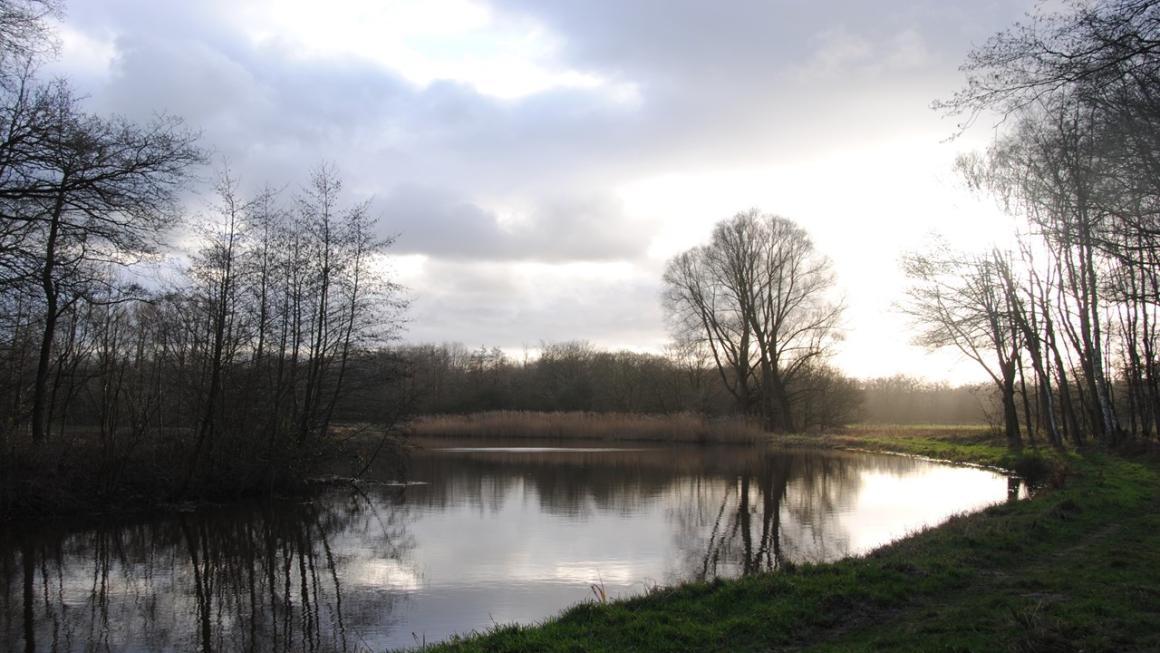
x=761 y=298
x=83 y=192
x=1079 y=91
x=963 y=301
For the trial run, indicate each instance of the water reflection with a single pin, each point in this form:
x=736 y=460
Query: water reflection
x=486 y=535
x=264 y=577
x=781 y=508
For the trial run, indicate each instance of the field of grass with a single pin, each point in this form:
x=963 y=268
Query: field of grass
x=963 y=444
x=1076 y=568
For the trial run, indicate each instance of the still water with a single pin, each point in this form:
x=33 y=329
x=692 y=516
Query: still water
x=474 y=537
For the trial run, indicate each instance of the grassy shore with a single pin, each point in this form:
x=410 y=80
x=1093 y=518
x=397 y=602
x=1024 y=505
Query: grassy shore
x=1076 y=568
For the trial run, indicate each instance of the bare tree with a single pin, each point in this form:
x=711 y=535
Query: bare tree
x=25 y=35
x=962 y=301
x=1052 y=172
x=761 y=299
x=215 y=286
x=341 y=301
x=1104 y=53
x=1080 y=90
x=83 y=192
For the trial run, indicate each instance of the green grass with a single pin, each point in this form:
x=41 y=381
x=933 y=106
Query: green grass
x=977 y=445
x=1077 y=568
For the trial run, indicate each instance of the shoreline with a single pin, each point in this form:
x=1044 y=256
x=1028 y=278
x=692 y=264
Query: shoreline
x=58 y=482
x=1072 y=568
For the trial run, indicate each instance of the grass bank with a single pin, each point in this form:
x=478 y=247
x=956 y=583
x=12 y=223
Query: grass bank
x=1077 y=568
x=980 y=445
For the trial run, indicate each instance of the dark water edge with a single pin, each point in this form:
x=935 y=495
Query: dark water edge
x=504 y=532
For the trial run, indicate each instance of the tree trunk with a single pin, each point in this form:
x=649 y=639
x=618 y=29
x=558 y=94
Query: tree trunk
x=52 y=312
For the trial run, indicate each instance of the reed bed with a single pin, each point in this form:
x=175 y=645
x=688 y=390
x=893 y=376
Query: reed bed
x=681 y=427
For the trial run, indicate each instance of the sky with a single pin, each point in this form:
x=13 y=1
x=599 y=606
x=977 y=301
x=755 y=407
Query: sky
x=540 y=161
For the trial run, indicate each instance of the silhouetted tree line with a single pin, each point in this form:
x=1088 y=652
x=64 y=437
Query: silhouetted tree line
x=565 y=376
x=235 y=369
x=1064 y=321
x=577 y=376
x=228 y=375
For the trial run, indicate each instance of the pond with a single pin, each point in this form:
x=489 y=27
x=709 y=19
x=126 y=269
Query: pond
x=475 y=536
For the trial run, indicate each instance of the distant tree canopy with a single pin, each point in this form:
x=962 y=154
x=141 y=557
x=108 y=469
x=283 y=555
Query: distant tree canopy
x=759 y=299
x=903 y=399
x=452 y=379
x=1073 y=307
x=577 y=376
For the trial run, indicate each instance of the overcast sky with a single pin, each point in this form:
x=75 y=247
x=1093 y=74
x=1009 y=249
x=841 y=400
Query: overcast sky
x=542 y=159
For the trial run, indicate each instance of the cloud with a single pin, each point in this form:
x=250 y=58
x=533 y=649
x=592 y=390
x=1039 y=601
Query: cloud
x=434 y=223
x=423 y=41
x=150 y=75
x=682 y=86
x=496 y=136
x=612 y=306
x=842 y=54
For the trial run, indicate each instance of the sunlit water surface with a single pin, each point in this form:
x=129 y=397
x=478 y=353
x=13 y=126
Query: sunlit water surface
x=475 y=537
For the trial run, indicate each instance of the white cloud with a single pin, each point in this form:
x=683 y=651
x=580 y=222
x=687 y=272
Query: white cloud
x=90 y=55
x=425 y=41
x=843 y=54
x=908 y=50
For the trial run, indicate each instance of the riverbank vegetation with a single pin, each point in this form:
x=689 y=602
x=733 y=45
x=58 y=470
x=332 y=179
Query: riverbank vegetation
x=576 y=376
x=1071 y=569
x=225 y=380
x=914 y=439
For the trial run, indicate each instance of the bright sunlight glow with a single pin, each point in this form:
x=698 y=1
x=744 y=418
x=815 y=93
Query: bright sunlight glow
x=426 y=41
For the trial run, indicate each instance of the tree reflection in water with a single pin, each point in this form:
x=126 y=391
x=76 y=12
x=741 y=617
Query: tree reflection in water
x=508 y=533
x=258 y=578
x=775 y=509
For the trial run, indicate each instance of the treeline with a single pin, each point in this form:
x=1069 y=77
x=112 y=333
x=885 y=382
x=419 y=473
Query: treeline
x=904 y=399
x=233 y=372
x=1065 y=320
x=225 y=373
x=577 y=376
